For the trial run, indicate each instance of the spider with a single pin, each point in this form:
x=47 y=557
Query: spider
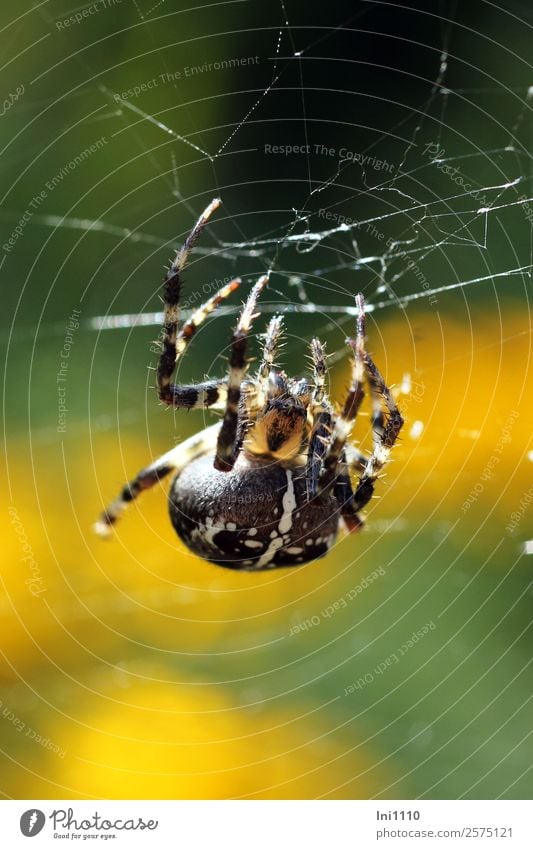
x=270 y=484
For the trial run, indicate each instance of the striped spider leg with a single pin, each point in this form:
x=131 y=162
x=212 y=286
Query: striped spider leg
x=175 y=342
x=228 y=446
x=342 y=456
x=174 y=460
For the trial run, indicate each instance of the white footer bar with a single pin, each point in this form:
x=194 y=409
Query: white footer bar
x=268 y=824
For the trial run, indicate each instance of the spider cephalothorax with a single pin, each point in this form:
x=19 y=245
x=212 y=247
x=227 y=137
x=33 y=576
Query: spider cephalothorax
x=271 y=483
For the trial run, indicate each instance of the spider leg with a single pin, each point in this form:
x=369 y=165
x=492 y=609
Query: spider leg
x=385 y=432
x=174 y=460
x=211 y=393
x=356 y=460
x=247 y=414
x=227 y=444
x=384 y=439
x=376 y=394
x=265 y=373
x=344 y=494
x=302 y=390
x=173 y=343
x=345 y=420
x=318 y=447
x=199 y=316
x=321 y=433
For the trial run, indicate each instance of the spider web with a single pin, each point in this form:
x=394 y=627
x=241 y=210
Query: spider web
x=436 y=219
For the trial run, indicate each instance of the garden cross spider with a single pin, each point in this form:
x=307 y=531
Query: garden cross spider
x=269 y=485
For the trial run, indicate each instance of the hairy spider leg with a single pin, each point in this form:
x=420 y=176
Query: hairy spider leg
x=344 y=494
x=266 y=377
x=173 y=343
x=350 y=460
x=228 y=446
x=320 y=370
x=194 y=396
x=385 y=432
x=199 y=316
x=385 y=441
x=171 y=297
x=345 y=420
x=320 y=439
x=248 y=412
x=352 y=502
x=174 y=460
x=378 y=415
x=355 y=458
x=301 y=389
x=210 y=393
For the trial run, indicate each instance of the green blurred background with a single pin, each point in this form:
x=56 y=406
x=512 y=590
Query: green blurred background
x=132 y=669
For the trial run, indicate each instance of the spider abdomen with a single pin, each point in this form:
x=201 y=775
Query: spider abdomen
x=256 y=516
